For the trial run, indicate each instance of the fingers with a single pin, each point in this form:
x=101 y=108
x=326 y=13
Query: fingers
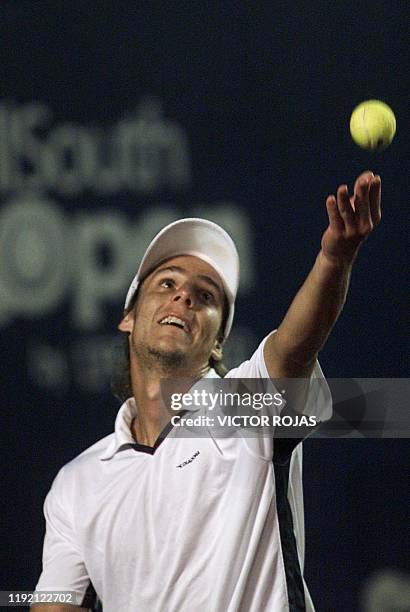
x=345 y=208
x=335 y=220
x=367 y=199
x=361 y=199
x=367 y=175
x=358 y=213
x=375 y=191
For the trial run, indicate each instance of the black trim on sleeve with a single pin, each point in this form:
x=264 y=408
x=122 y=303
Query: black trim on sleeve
x=294 y=581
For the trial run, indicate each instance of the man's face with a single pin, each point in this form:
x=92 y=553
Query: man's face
x=178 y=314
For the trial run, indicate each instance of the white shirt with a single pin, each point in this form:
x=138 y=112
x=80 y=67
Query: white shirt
x=202 y=524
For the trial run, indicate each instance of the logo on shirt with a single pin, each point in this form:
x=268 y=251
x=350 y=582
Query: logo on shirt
x=188 y=461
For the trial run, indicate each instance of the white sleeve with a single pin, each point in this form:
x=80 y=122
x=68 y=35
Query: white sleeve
x=63 y=565
x=318 y=402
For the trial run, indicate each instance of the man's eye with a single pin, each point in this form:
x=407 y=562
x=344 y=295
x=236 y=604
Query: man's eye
x=167 y=283
x=207 y=297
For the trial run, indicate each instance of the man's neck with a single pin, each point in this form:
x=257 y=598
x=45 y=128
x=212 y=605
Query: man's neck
x=153 y=414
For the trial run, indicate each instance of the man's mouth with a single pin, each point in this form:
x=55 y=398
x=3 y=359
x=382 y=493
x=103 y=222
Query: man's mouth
x=176 y=322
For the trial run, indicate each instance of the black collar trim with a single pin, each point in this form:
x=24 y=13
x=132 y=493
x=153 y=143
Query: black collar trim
x=150 y=450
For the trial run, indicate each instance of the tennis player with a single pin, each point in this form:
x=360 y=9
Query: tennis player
x=150 y=520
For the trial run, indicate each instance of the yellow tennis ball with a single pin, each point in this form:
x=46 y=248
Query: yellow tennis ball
x=373 y=125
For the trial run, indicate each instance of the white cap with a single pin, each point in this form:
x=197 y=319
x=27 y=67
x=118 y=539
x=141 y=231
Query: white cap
x=203 y=239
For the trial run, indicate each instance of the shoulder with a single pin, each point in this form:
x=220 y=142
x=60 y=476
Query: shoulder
x=93 y=451
x=82 y=468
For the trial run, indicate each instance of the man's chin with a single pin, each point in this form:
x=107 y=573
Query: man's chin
x=168 y=357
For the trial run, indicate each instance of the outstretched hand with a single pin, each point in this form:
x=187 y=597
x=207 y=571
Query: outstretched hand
x=351 y=219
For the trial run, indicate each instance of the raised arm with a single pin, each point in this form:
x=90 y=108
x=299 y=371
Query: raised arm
x=291 y=352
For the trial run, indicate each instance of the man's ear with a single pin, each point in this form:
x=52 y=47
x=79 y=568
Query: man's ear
x=127 y=322
x=217 y=350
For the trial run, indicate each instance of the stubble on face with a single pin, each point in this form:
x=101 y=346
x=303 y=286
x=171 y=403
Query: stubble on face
x=165 y=362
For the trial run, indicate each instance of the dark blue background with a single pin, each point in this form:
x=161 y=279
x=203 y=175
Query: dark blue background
x=264 y=91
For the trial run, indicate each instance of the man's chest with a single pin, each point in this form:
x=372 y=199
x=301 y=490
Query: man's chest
x=185 y=487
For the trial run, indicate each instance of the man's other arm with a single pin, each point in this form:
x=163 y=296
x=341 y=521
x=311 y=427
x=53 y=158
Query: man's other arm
x=63 y=567
x=292 y=351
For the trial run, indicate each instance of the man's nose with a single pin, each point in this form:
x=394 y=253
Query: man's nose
x=185 y=295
